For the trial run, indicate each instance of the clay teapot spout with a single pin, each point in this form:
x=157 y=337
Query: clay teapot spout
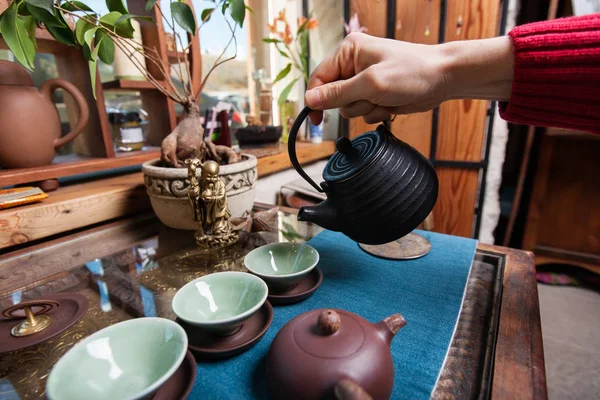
x=390 y=326
x=323 y=214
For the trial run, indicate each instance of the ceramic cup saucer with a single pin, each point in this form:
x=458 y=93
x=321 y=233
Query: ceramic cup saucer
x=304 y=289
x=180 y=384
x=206 y=345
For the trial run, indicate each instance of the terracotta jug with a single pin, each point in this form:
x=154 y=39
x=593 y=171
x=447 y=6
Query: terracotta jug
x=29 y=122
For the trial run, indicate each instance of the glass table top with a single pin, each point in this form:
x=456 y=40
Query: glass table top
x=126 y=269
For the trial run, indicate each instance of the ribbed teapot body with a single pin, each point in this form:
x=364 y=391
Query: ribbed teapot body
x=388 y=197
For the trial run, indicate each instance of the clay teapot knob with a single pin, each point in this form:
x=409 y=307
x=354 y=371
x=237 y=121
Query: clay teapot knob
x=329 y=322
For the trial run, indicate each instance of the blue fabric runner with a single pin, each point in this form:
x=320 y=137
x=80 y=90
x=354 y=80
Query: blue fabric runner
x=427 y=291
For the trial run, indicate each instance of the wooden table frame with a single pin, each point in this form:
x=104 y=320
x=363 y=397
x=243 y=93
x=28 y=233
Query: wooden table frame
x=518 y=358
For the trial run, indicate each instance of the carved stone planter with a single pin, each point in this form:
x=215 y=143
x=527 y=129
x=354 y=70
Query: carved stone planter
x=168 y=189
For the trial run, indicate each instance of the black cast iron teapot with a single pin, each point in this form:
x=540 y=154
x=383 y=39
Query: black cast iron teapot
x=378 y=188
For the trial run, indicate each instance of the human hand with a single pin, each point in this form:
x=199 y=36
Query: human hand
x=374 y=77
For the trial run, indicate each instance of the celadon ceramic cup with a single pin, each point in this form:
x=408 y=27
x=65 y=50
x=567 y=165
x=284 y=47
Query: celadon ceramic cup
x=220 y=302
x=282 y=265
x=127 y=360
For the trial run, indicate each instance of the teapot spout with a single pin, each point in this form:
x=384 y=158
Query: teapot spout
x=390 y=326
x=323 y=214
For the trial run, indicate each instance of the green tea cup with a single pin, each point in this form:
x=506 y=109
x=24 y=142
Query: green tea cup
x=220 y=302
x=282 y=265
x=127 y=360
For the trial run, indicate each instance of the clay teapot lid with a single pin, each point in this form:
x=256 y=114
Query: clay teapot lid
x=14 y=74
x=336 y=334
x=329 y=333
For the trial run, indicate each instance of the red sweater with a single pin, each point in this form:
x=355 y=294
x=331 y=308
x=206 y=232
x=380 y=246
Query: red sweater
x=557 y=74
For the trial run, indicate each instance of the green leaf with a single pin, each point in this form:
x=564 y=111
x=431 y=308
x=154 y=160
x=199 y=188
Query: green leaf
x=283 y=53
x=80 y=29
x=207 y=13
x=76 y=6
x=238 y=11
x=184 y=17
x=283 y=73
x=269 y=40
x=22 y=10
x=30 y=28
x=126 y=17
x=88 y=37
x=249 y=9
x=43 y=4
x=44 y=16
x=92 y=65
x=62 y=35
x=106 y=48
x=15 y=36
x=123 y=29
x=286 y=92
x=117 y=5
x=94 y=54
x=150 y=4
x=87 y=53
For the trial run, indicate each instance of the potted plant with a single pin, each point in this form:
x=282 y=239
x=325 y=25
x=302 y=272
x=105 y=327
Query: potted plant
x=294 y=48
x=76 y=24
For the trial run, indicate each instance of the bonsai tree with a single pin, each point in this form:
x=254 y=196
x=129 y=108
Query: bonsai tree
x=74 y=23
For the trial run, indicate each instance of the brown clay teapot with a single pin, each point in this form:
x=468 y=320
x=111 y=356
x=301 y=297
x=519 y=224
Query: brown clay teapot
x=329 y=354
x=29 y=123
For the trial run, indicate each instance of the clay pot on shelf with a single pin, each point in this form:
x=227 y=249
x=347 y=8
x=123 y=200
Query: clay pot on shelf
x=333 y=354
x=30 y=129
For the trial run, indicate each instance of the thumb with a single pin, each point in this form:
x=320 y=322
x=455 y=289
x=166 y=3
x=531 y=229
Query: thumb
x=335 y=94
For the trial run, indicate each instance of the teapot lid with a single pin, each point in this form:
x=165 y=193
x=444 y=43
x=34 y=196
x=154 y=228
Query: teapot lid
x=13 y=74
x=326 y=333
x=352 y=156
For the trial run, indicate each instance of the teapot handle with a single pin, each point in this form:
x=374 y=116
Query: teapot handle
x=84 y=113
x=347 y=389
x=292 y=147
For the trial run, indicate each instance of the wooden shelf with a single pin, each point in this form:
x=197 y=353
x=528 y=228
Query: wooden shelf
x=173 y=56
x=306 y=152
x=72 y=207
x=126 y=84
x=78 y=205
x=81 y=166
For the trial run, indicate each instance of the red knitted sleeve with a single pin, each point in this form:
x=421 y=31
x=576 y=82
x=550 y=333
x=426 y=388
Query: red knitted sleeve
x=556 y=74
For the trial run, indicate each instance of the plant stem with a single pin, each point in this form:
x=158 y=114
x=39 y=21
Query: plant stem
x=172 y=27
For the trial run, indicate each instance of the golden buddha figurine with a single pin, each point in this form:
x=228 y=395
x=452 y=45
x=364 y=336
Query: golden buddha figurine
x=209 y=204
